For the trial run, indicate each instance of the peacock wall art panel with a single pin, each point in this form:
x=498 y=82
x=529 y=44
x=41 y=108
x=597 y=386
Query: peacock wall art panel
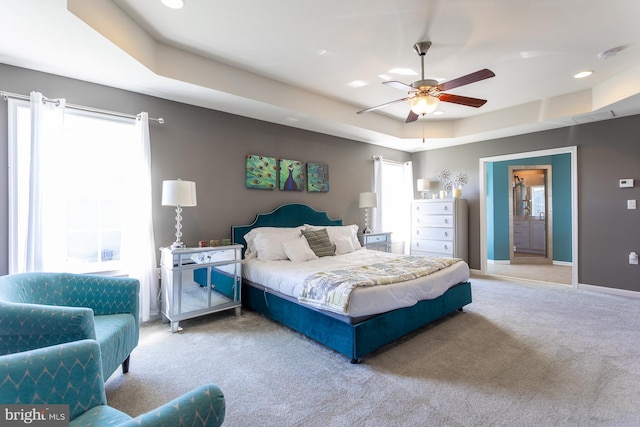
x=317 y=177
x=261 y=172
x=292 y=175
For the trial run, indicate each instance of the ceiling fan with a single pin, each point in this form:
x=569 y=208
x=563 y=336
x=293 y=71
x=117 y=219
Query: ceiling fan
x=426 y=94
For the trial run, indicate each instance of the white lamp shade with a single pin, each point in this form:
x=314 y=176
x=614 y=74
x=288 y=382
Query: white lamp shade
x=422 y=184
x=179 y=193
x=368 y=200
x=422 y=105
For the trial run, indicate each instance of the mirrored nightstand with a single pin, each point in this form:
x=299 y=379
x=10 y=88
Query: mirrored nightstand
x=376 y=241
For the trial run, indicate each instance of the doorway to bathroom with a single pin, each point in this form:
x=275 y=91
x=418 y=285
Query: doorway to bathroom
x=530 y=215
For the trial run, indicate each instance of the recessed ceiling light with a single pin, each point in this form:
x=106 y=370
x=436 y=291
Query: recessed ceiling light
x=583 y=74
x=357 y=83
x=173 y=4
x=403 y=72
x=437 y=113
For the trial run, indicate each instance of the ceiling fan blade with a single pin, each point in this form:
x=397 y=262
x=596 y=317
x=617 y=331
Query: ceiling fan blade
x=412 y=117
x=366 y=110
x=465 y=80
x=462 y=100
x=399 y=85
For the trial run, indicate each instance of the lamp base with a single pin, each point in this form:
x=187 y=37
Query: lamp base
x=178 y=245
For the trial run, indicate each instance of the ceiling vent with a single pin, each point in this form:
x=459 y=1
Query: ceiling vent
x=593 y=117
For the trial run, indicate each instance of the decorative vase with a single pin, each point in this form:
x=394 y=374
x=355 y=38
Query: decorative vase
x=443 y=194
x=457 y=192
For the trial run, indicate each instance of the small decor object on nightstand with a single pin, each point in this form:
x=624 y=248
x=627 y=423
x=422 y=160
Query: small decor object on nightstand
x=178 y=193
x=367 y=200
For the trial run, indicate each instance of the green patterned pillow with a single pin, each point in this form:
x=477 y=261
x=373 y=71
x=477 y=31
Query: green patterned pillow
x=319 y=242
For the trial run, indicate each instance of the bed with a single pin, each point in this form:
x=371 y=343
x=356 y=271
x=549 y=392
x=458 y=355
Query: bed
x=355 y=333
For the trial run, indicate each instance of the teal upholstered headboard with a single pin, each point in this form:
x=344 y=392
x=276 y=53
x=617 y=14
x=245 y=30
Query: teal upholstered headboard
x=289 y=215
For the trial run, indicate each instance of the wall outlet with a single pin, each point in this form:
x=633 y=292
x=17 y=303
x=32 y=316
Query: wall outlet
x=633 y=258
x=631 y=204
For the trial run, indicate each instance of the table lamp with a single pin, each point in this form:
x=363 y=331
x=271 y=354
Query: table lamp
x=422 y=185
x=178 y=193
x=367 y=200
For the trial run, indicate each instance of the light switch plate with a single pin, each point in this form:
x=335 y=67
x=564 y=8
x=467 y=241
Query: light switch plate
x=626 y=183
x=631 y=204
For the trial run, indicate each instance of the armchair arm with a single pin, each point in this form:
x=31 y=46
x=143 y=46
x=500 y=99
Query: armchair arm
x=65 y=374
x=203 y=406
x=29 y=326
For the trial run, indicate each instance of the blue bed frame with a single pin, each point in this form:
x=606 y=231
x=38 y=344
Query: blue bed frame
x=354 y=340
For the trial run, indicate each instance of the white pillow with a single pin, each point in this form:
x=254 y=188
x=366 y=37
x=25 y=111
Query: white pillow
x=279 y=234
x=336 y=231
x=344 y=245
x=298 y=250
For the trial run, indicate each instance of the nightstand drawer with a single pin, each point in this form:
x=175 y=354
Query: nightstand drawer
x=379 y=238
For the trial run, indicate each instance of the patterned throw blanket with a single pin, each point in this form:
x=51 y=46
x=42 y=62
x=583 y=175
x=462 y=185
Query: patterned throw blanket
x=332 y=290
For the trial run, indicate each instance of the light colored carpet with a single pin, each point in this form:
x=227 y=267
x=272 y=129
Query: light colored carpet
x=522 y=354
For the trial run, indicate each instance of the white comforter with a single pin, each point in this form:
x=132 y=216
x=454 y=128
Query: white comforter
x=288 y=277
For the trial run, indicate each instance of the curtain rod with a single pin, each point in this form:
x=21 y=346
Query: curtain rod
x=388 y=161
x=6 y=95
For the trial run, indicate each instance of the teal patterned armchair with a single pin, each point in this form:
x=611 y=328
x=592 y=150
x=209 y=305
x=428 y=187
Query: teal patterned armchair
x=43 y=309
x=71 y=374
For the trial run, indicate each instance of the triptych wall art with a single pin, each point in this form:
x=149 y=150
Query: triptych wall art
x=267 y=173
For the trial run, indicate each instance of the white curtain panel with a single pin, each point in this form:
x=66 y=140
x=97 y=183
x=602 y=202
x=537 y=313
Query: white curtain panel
x=138 y=243
x=407 y=197
x=376 y=218
x=47 y=120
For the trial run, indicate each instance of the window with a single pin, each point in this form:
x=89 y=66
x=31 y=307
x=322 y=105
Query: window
x=84 y=176
x=396 y=187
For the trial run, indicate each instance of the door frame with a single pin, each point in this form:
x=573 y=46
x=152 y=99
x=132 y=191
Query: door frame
x=482 y=171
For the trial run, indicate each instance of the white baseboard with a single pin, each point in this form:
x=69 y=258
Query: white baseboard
x=564 y=263
x=610 y=291
x=498 y=261
x=507 y=262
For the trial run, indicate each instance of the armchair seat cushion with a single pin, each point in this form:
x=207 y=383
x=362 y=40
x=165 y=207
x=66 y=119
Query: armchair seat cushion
x=117 y=335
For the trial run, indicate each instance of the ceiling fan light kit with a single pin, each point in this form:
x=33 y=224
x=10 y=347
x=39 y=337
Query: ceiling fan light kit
x=424 y=95
x=422 y=105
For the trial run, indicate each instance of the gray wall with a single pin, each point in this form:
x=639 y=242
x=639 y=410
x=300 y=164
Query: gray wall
x=607 y=151
x=208 y=147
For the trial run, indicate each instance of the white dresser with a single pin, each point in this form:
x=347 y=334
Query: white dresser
x=439 y=228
